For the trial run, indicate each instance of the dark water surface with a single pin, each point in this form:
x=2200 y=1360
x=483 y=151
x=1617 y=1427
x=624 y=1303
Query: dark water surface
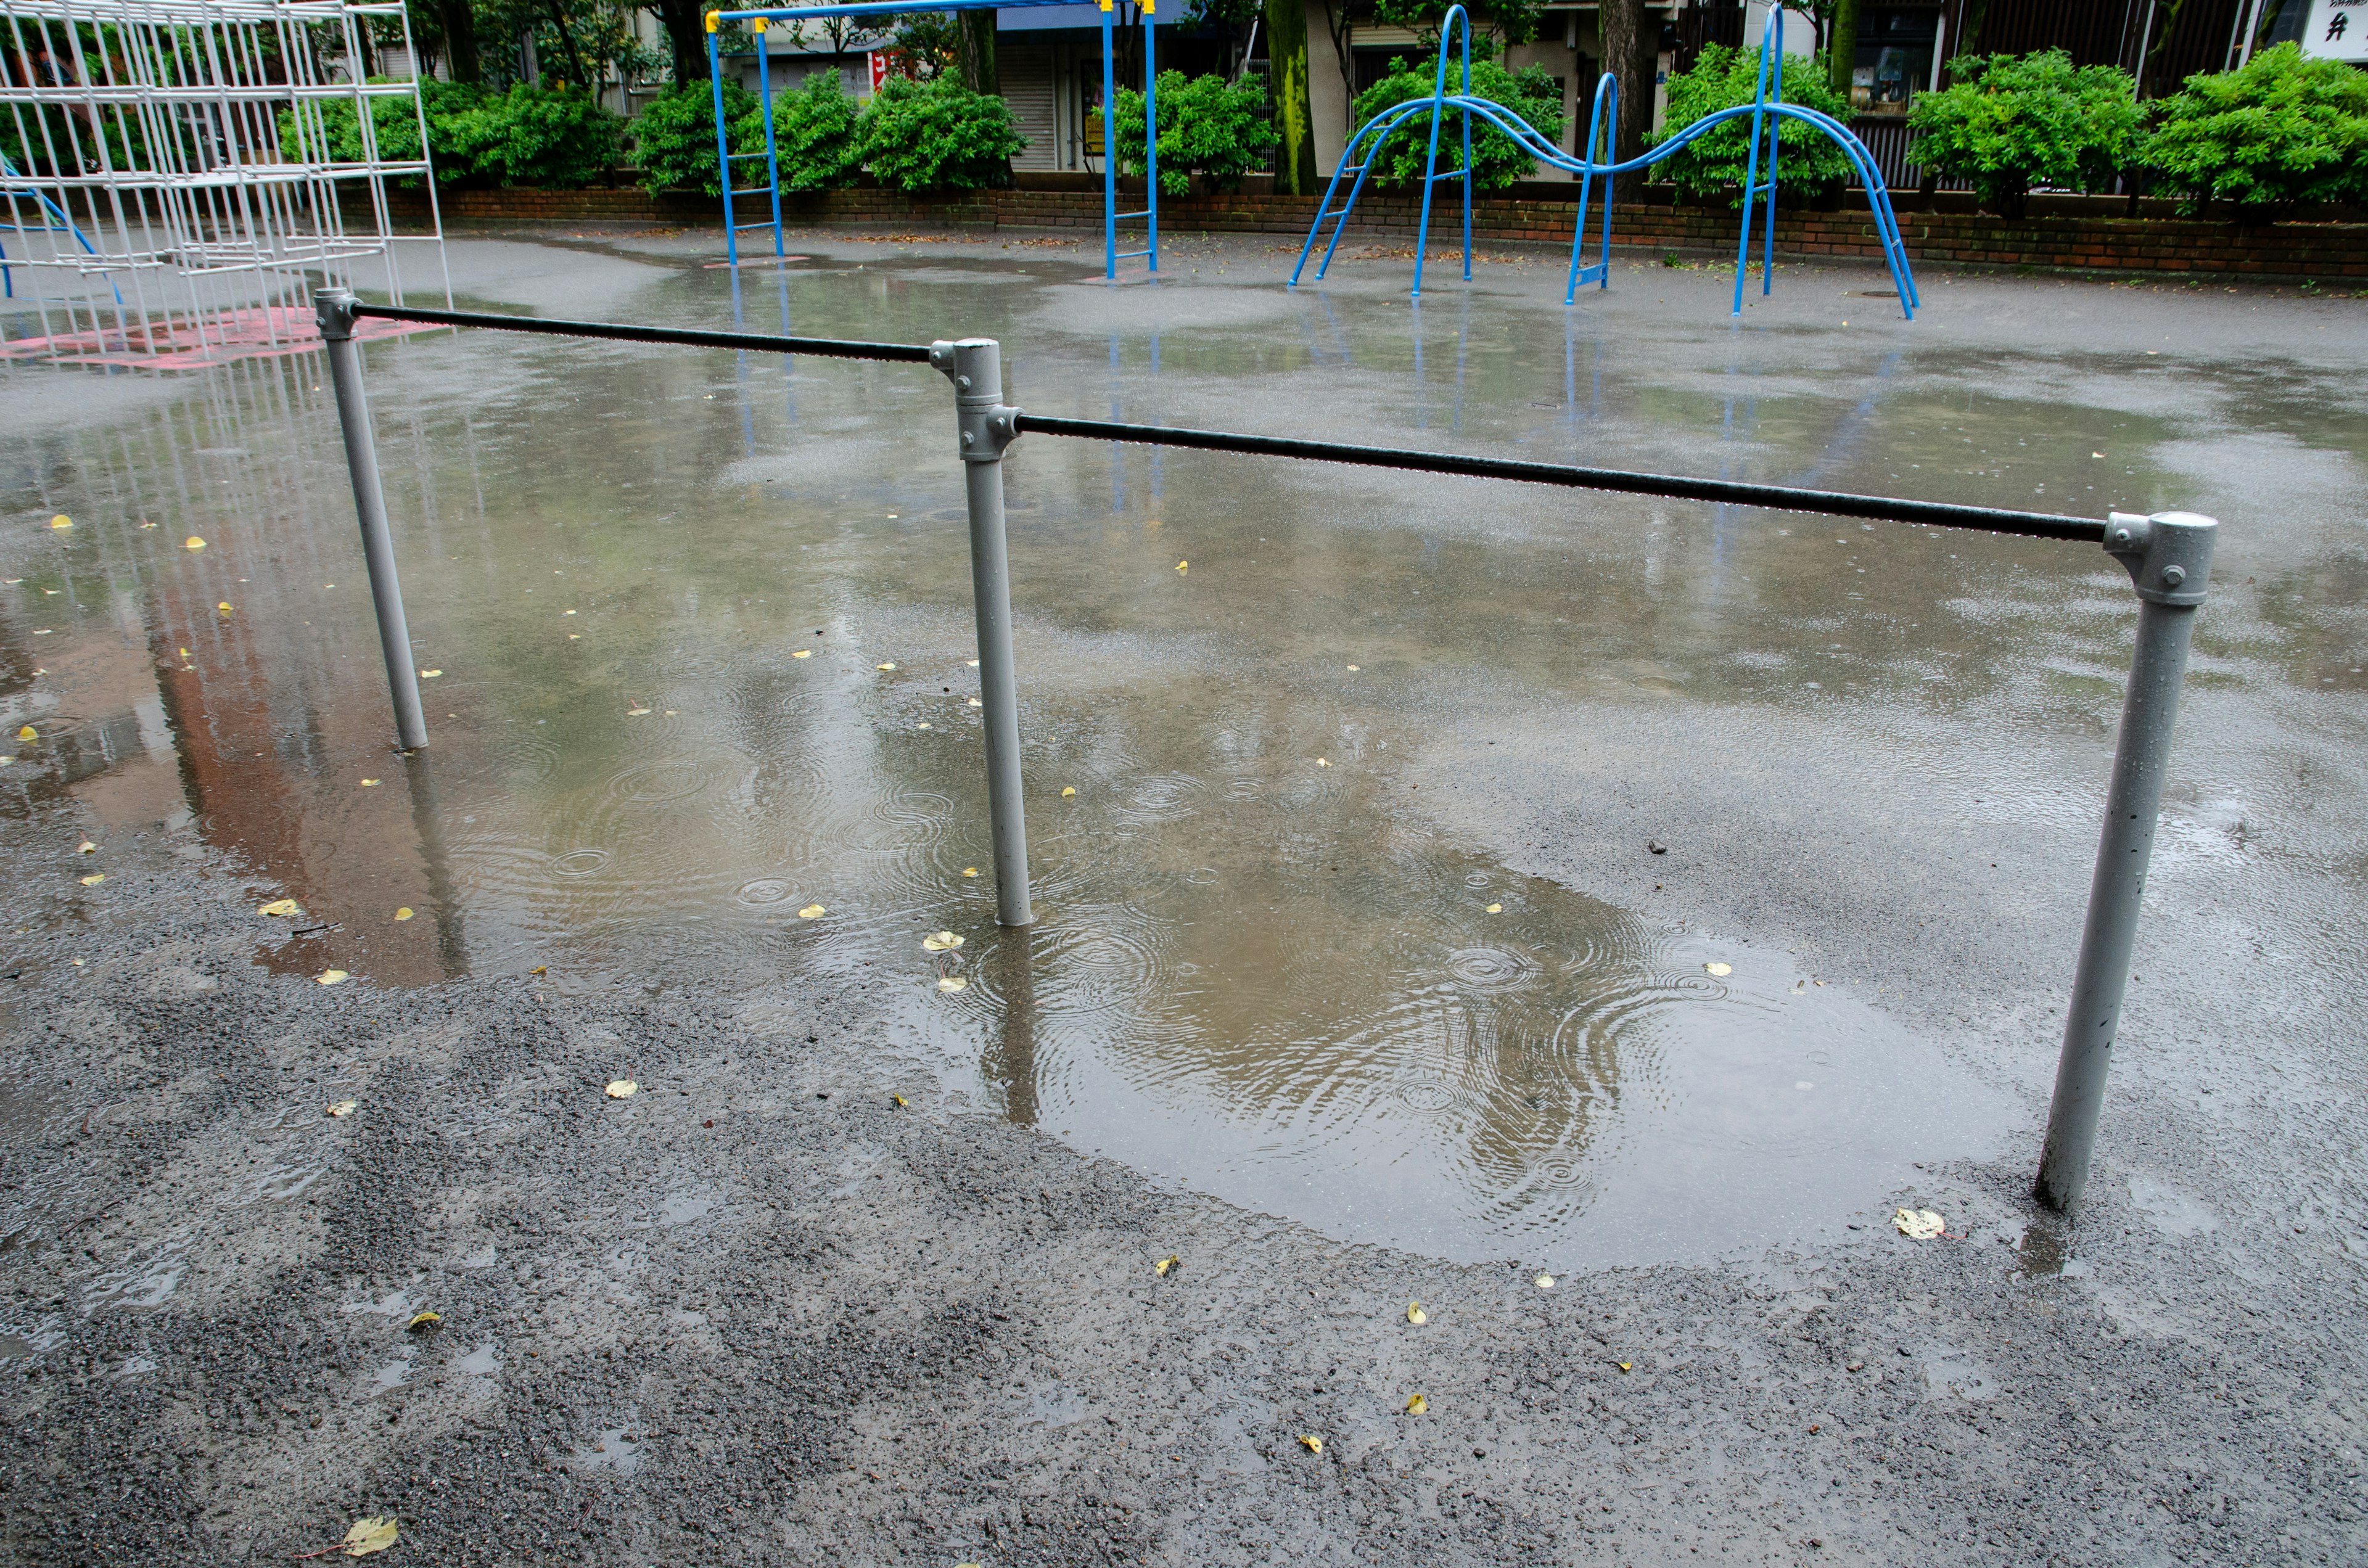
x=661 y=592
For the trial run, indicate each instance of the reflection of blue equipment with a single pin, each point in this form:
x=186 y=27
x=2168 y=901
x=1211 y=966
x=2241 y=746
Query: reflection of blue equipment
x=891 y=10
x=59 y=220
x=1768 y=111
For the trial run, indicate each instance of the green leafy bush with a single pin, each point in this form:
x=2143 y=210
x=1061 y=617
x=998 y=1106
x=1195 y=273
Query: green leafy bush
x=555 y=138
x=395 y=126
x=673 y=138
x=2281 y=130
x=2008 y=123
x=1498 y=160
x=939 y=135
x=1206 y=125
x=1717 y=161
x=817 y=134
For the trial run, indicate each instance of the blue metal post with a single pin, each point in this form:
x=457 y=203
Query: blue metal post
x=1467 y=149
x=723 y=140
x=1110 y=145
x=1151 y=135
x=772 y=155
x=1772 y=65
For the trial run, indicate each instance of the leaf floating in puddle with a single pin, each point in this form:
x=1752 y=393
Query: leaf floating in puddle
x=374 y=1534
x=281 y=906
x=974 y=663
x=424 y=1321
x=925 y=723
x=404 y=913
x=970 y=870
x=1323 y=762
x=1414 y=1314
x=952 y=983
x=343 y=1108
x=622 y=1089
x=193 y=542
x=1183 y=565
x=87 y=848
x=1721 y=969
x=1416 y=1405
x=889 y=666
x=802 y=654
x=1310 y=1442
x=429 y=675
x=28 y=734
x=224 y=607
x=93 y=879
x=1918 y=1225
x=61 y=522
x=975 y=702
x=812 y=912
x=1496 y=909
x=1545 y=1281
x=940 y=942
x=636 y=711
x=1352 y=669
x=370 y=783
x=1164 y=1263
x=1069 y=791
x=333 y=977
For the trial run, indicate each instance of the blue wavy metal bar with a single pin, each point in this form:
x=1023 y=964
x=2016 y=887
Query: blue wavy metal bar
x=1768 y=112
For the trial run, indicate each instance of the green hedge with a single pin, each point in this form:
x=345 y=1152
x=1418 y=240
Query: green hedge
x=1716 y=162
x=553 y=137
x=914 y=135
x=2007 y=123
x=1207 y=125
x=2285 y=130
x=939 y=135
x=1498 y=160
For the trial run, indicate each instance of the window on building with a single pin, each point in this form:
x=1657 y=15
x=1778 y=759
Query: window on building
x=1895 y=57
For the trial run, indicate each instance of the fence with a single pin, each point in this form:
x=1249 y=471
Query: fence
x=2169 y=557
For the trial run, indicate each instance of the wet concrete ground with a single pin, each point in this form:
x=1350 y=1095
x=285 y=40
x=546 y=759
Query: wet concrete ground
x=1268 y=981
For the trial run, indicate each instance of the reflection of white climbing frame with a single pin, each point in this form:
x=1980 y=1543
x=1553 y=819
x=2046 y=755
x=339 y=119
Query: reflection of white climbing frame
x=151 y=211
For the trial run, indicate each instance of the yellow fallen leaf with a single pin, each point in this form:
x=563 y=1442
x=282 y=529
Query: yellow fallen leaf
x=343 y=1108
x=1545 y=1281
x=373 y=1533
x=61 y=522
x=802 y=654
x=970 y=870
x=429 y=675
x=193 y=542
x=540 y=969
x=1067 y=792
x=812 y=912
x=622 y=1089
x=333 y=977
x=975 y=703
x=1416 y=1405
x=1183 y=565
x=1496 y=909
x=925 y=723
x=901 y=1102
x=635 y=713
x=574 y=637
x=1323 y=762
x=368 y=783
x=281 y=906
x=1164 y=1263
x=567 y=612
x=1623 y=1365
x=940 y=942
x=87 y=848
x=1918 y=1225
x=422 y=1322
x=973 y=662
x=1310 y=1442
x=952 y=983
x=93 y=879
x=28 y=734
x=1721 y=969
x=1414 y=1314
x=403 y=914
x=889 y=666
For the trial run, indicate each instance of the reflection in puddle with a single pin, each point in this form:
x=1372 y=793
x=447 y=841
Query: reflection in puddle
x=662 y=726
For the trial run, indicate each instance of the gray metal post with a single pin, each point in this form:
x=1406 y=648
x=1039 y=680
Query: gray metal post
x=985 y=422
x=335 y=309
x=2169 y=559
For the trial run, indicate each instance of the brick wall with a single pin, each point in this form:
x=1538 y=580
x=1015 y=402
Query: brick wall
x=2332 y=251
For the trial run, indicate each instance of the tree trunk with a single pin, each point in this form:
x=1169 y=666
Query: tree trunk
x=567 y=42
x=461 y=61
x=684 y=22
x=978 y=51
x=1295 y=113
x=1628 y=55
x=1841 y=55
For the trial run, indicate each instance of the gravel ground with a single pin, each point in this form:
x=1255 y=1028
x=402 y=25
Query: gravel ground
x=761 y=1311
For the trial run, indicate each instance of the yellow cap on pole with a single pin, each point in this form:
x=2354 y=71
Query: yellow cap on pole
x=715 y=21
x=757 y=24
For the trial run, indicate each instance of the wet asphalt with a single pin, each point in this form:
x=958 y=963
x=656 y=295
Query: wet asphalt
x=761 y=1311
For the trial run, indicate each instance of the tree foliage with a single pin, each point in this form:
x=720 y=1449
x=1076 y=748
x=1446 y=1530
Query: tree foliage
x=556 y=138
x=939 y=135
x=2281 y=130
x=1494 y=24
x=817 y=133
x=1497 y=159
x=1206 y=126
x=2008 y=123
x=1717 y=161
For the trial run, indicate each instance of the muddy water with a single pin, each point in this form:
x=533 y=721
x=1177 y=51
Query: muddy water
x=695 y=629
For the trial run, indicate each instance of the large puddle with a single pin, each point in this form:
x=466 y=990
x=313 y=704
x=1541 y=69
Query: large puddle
x=658 y=595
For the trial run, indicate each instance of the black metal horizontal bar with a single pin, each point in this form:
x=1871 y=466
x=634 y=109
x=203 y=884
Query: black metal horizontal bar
x=821 y=347
x=1781 y=498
